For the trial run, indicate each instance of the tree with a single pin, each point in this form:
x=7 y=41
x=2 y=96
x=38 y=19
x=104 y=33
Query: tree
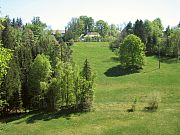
x=132 y=52
x=40 y=71
x=102 y=28
x=64 y=74
x=74 y=29
x=128 y=29
x=148 y=36
x=25 y=58
x=12 y=85
x=175 y=41
x=157 y=35
x=16 y=23
x=88 y=24
x=8 y=37
x=87 y=90
x=113 y=30
x=54 y=95
x=167 y=49
x=86 y=73
x=153 y=36
x=5 y=57
x=37 y=27
x=138 y=30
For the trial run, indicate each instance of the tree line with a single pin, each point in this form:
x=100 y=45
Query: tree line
x=84 y=24
x=38 y=73
x=155 y=38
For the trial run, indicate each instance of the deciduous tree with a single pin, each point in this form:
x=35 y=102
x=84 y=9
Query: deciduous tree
x=132 y=52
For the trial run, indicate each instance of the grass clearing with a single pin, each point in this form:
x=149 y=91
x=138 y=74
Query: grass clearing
x=113 y=96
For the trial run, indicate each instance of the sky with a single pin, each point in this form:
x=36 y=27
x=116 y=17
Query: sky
x=57 y=13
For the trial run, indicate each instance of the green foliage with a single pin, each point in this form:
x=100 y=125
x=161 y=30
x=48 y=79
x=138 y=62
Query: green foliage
x=37 y=27
x=69 y=89
x=9 y=37
x=150 y=33
x=139 y=30
x=113 y=31
x=12 y=85
x=87 y=73
x=74 y=29
x=175 y=42
x=87 y=87
x=102 y=27
x=79 y=27
x=128 y=29
x=54 y=95
x=114 y=45
x=132 y=52
x=5 y=56
x=41 y=74
x=40 y=71
x=88 y=24
x=71 y=41
x=171 y=42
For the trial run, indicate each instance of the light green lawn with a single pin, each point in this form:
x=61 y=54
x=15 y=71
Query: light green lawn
x=113 y=96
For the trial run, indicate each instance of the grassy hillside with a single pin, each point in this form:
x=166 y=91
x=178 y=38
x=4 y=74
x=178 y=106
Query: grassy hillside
x=114 y=94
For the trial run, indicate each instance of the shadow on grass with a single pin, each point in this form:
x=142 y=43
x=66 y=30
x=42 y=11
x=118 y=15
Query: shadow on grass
x=149 y=111
x=166 y=59
x=120 y=71
x=45 y=116
x=14 y=117
x=169 y=60
x=115 y=59
x=112 y=59
x=34 y=116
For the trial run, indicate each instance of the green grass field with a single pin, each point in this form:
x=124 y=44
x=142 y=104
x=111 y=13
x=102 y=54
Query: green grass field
x=114 y=94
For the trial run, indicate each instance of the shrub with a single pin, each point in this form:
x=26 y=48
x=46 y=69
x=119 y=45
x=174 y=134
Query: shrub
x=152 y=104
x=132 y=109
x=71 y=42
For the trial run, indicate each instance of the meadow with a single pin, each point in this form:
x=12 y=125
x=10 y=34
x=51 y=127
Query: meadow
x=115 y=91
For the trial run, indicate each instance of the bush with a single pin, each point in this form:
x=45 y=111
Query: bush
x=108 y=39
x=132 y=109
x=152 y=104
x=71 y=42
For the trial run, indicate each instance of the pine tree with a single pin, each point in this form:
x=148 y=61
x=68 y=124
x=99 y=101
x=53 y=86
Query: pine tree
x=8 y=37
x=25 y=59
x=139 y=30
x=86 y=73
x=12 y=85
x=87 y=91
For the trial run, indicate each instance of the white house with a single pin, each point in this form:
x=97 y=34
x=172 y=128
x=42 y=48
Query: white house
x=92 y=35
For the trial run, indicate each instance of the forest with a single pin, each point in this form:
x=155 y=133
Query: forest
x=38 y=72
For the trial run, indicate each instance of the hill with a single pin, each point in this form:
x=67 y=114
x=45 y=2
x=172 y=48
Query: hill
x=114 y=94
